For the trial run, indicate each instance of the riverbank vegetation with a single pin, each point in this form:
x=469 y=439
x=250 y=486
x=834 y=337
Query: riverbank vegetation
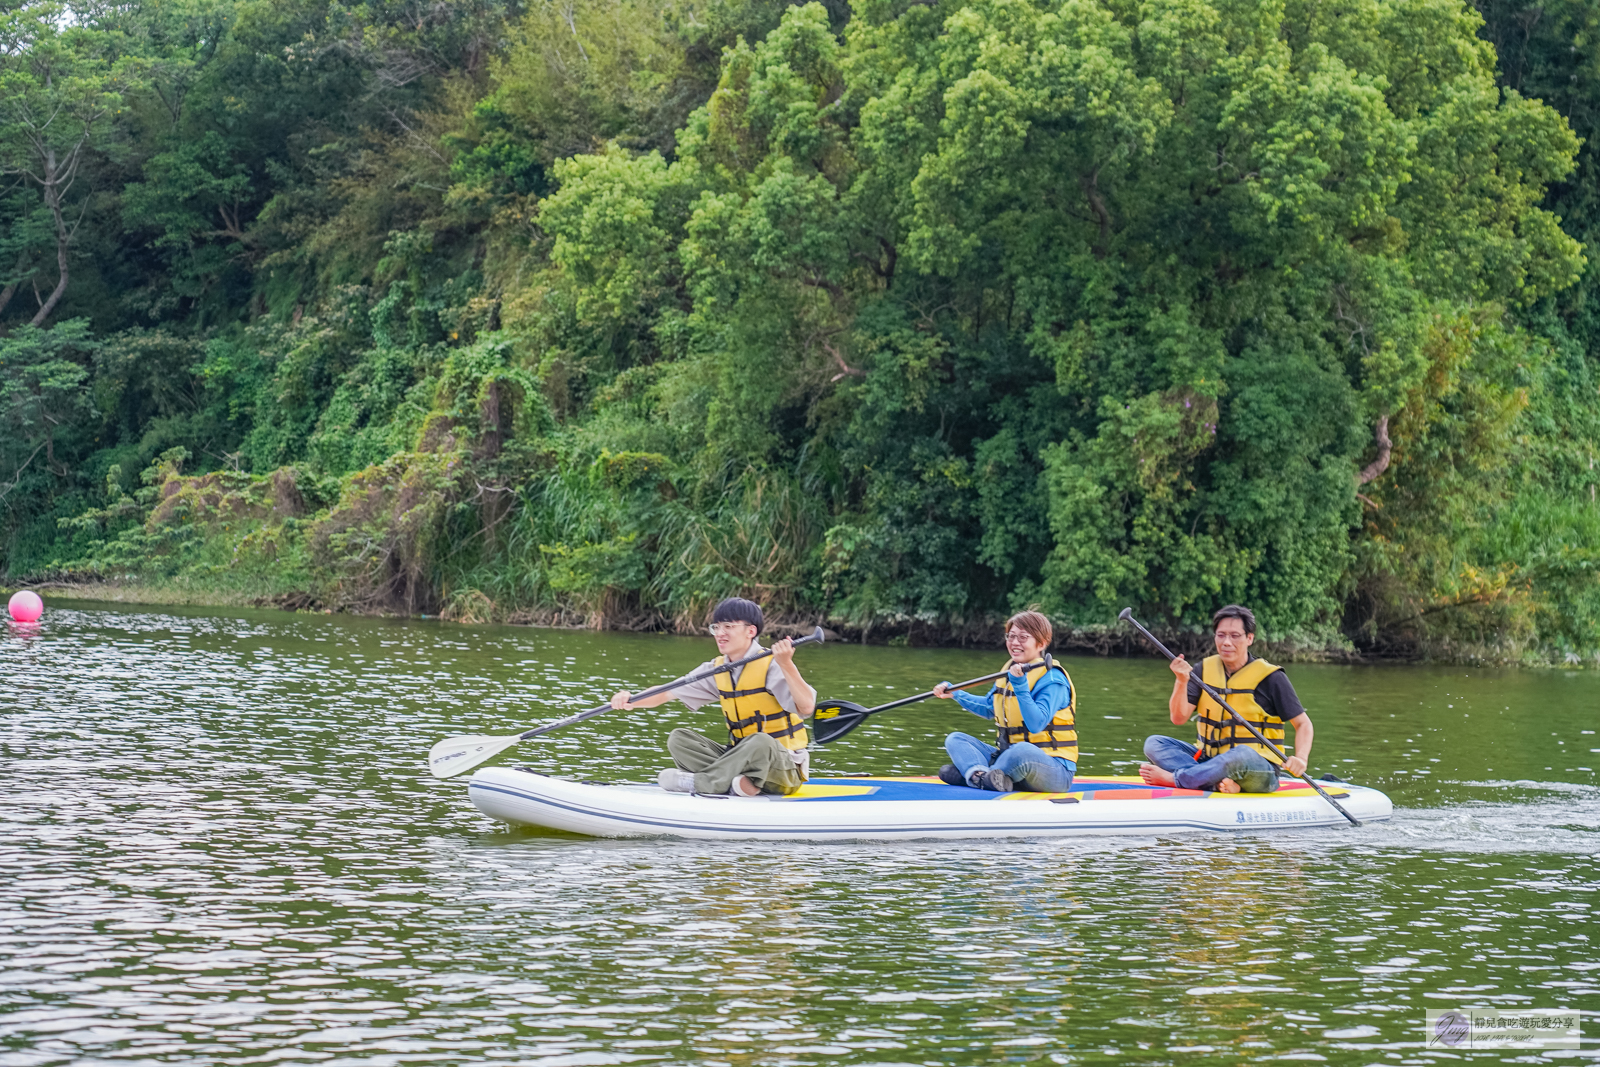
x=900 y=314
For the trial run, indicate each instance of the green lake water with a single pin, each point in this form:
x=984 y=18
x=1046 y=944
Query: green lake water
x=219 y=845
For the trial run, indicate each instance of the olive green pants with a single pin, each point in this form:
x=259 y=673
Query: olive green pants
x=758 y=757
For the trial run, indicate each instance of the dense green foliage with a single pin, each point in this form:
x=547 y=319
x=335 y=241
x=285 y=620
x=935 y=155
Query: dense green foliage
x=907 y=313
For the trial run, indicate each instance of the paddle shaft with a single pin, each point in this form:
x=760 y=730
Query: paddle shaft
x=603 y=708
x=831 y=730
x=1211 y=691
x=929 y=693
x=850 y=720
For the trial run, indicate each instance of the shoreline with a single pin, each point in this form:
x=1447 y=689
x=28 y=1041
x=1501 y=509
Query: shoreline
x=151 y=595
x=1105 y=641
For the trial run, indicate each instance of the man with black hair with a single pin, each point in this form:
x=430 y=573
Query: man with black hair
x=1229 y=759
x=765 y=704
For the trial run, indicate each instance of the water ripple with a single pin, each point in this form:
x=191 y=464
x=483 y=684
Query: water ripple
x=217 y=843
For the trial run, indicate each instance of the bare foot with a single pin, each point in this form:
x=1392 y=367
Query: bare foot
x=1154 y=775
x=746 y=788
x=1227 y=785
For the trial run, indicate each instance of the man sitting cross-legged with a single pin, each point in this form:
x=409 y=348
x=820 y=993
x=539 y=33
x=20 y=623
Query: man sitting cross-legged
x=1229 y=759
x=764 y=707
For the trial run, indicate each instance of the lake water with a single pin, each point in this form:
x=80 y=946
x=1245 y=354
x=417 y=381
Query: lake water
x=219 y=844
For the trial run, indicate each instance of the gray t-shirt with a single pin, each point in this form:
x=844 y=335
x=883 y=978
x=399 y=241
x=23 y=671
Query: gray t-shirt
x=705 y=691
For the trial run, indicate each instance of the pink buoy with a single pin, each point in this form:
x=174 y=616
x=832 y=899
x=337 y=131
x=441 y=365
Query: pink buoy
x=26 y=606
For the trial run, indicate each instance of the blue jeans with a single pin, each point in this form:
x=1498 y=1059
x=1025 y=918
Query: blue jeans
x=1249 y=769
x=1027 y=765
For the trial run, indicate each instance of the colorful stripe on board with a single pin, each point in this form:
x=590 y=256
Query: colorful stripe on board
x=1083 y=789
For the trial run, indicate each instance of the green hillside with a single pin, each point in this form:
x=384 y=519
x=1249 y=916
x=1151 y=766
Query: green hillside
x=903 y=313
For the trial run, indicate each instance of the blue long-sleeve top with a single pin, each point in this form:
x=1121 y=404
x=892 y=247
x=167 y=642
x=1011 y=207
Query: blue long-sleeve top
x=1038 y=705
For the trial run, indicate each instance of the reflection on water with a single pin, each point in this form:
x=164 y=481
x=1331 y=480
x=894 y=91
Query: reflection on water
x=218 y=842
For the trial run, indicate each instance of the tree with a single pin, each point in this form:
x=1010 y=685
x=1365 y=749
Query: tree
x=42 y=399
x=59 y=92
x=1226 y=228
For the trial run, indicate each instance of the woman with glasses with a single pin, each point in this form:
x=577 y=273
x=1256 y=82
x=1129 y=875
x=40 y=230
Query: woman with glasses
x=764 y=706
x=1033 y=709
x=1228 y=758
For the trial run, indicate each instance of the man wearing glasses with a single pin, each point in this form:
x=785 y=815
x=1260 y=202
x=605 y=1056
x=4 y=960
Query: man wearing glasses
x=765 y=704
x=1228 y=758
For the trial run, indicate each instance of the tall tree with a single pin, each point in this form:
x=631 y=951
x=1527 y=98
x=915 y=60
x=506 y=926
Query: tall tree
x=59 y=92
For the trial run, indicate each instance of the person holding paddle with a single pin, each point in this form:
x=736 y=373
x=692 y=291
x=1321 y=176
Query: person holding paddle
x=1228 y=758
x=1032 y=706
x=765 y=706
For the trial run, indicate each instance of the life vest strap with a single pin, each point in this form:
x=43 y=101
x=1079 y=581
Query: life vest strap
x=1219 y=731
x=1264 y=725
x=1057 y=738
x=794 y=723
x=762 y=713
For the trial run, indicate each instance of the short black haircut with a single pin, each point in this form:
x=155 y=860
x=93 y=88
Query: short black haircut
x=738 y=609
x=1246 y=617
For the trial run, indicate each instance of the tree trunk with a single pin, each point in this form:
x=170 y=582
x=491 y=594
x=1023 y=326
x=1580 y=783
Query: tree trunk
x=52 y=197
x=1381 y=464
x=1097 y=204
x=495 y=414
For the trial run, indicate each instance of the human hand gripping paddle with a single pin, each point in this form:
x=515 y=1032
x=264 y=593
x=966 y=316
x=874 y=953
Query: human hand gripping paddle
x=1127 y=615
x=453 y=755
x=835 y=718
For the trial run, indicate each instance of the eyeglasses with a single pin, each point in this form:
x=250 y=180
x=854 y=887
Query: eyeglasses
x=1223 y=635
x=719 y=628
x=1018 y=635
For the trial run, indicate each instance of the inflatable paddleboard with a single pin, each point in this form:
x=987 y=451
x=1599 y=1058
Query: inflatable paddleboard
x=892 y=809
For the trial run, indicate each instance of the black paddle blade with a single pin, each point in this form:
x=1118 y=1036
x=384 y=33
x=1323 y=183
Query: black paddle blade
x=835 y=718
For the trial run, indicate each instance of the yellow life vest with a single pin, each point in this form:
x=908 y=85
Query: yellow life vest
x=1218 y=731
x=1059 y=736
x=756 y=710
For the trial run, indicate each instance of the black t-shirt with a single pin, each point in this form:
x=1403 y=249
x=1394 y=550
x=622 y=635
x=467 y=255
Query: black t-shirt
x=1275 y=695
